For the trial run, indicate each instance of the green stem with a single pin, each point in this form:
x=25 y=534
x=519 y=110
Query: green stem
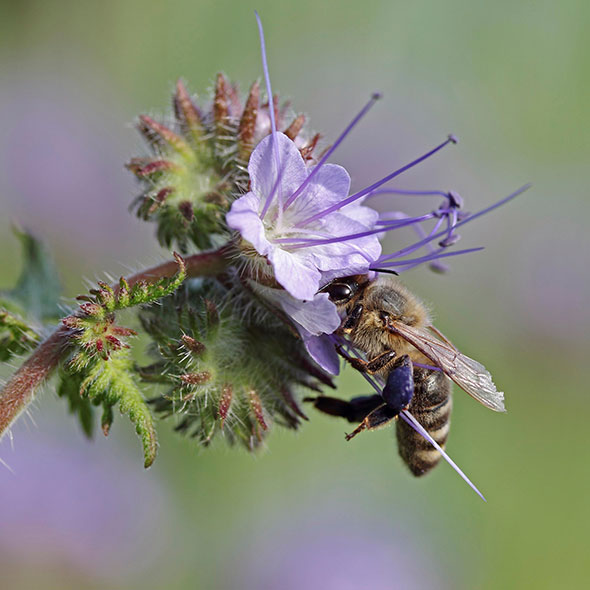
x=20 y=390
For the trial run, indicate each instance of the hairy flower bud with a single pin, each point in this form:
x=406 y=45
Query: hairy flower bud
x=230 y=367
x=197 y=166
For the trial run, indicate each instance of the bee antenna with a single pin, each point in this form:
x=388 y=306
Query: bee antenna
x=388 y=271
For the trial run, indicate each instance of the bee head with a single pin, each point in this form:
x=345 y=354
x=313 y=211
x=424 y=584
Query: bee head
x=343 y=290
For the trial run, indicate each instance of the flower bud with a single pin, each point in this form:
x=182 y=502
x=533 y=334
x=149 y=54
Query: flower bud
x=198 y=163
x=233 y=367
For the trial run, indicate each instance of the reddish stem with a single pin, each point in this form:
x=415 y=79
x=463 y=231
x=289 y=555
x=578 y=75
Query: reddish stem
x=197 y=265
x=18 y=393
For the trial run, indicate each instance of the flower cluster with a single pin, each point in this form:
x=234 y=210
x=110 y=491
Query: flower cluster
x=197 y=163
x=240 y=325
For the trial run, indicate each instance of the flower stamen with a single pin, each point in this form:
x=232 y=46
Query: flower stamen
x=407 y=417
x=376 y=185
x=374 y=98
x=377 y=385
x=459 y=223
x=271 y=112
x=435 y=255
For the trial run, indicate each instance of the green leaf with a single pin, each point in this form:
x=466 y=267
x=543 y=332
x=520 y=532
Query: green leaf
x=38 y=289
x=143 y=292
x=16 y=336
x=112 y=382
x=69 y=387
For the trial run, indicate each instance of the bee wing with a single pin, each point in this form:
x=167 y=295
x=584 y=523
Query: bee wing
x=466 y=372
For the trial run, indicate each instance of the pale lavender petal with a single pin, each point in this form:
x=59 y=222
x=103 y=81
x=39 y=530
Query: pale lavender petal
x=356 y=254
x=318 y=316
x=330 y=185
x=243 y=217
x=296 y=273
x=322 y=351
x=366 y=216
x=262 y=168
x=313 y=319
x=341 y=263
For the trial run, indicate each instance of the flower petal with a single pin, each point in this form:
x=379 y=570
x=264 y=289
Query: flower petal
x=295 y=272
x=262 y=168
x=330 y=185
x=313 y=320
x=322 y=351
x=318 y=316
x=362 y=214
x=243 y=217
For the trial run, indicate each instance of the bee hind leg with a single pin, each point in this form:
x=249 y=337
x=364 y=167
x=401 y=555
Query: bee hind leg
x=379 y=417
x=354 y=410
x=399 y=385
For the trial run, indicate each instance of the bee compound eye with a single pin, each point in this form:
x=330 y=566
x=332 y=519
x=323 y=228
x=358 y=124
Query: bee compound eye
x=339 y=292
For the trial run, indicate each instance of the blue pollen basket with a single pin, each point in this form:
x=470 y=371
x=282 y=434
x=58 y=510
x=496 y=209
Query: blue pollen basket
x=399 y=386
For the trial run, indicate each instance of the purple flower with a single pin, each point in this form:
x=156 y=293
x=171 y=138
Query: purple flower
x=314 y=320
x=281 y=218
x=300 y=228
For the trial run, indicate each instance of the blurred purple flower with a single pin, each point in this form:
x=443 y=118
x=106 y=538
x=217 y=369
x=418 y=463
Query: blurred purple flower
x=70 y=502
x=317 y=549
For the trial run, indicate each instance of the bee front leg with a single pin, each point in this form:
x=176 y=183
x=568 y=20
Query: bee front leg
x=372 y=366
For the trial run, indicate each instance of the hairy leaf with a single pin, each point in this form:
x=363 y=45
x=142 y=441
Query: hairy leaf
x=109 y=383
x=38 y=289
x=69 y=387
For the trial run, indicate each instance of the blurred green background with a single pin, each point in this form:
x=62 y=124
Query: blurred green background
x=512 y=80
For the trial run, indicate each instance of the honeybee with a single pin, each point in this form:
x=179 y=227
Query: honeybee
x=414 y=361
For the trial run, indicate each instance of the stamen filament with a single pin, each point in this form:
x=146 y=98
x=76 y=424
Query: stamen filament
x=369 y=189
x=301 y=242
x=404 y=221
x=407 y=417
x=429 y=367
x=391 y=191
x=374 y=98
x=271 y=111
x=433 y=237
x=430 y=257
x=421 y=234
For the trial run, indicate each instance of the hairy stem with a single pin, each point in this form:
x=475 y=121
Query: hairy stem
x=18 y=393
x=198 y=265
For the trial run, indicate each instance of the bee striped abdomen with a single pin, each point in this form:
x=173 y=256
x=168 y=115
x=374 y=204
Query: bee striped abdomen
x=431 y=406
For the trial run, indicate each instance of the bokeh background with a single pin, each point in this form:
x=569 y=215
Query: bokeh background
x=512 y=80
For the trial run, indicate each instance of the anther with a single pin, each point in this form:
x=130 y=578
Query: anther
x=455 y=199
x=449 y=240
